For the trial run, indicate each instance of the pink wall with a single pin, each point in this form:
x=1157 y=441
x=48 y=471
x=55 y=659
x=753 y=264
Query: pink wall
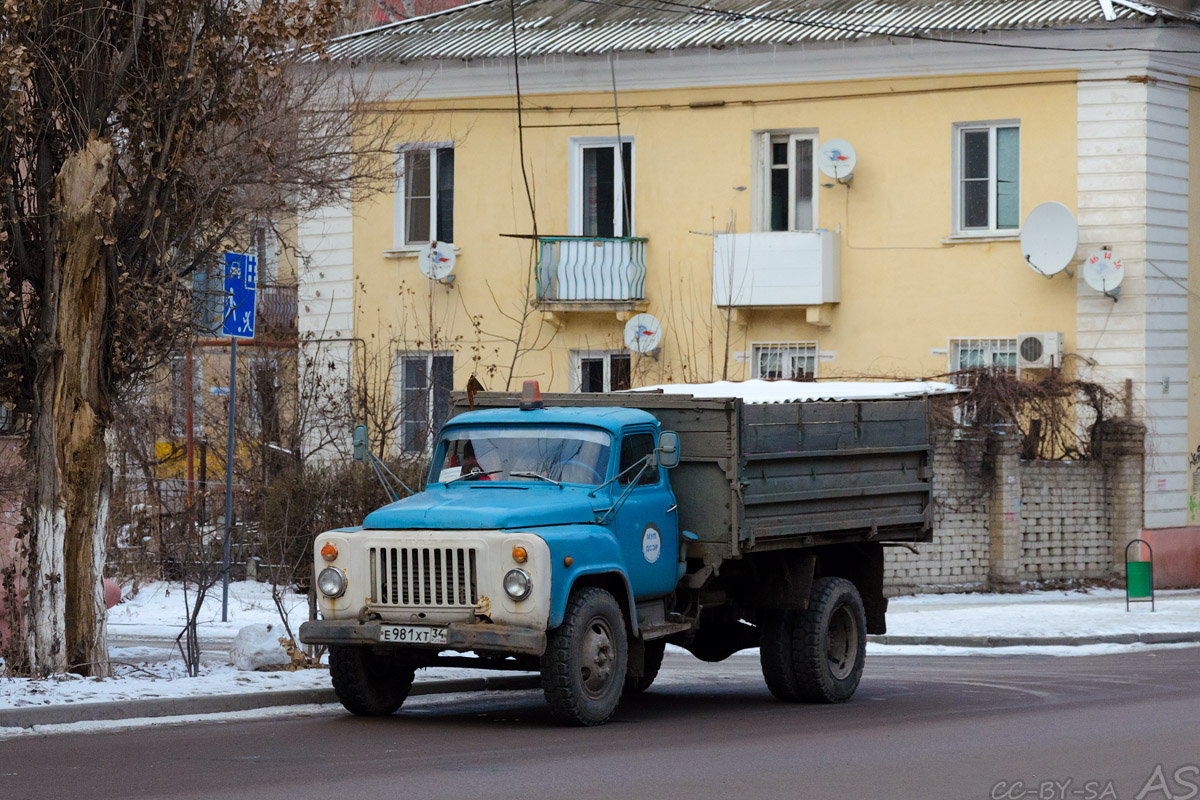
x=1176 y=557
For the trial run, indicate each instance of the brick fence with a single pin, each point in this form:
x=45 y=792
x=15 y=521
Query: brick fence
x=1000 y=521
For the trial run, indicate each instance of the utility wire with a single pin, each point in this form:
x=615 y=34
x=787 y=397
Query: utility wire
x=512 y=8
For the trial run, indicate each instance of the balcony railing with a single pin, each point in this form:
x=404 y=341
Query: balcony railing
x=587 y=269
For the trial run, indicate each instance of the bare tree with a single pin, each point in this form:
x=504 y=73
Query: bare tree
x=137 y=138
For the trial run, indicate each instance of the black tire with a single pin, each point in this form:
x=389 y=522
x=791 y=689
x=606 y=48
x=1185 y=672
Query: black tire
x=583 y=668
x=651 y=666
x=829 y=642
x=367 y=683
x=775 y=630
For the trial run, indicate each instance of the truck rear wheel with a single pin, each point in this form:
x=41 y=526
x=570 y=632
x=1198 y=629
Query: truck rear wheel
x=367 y=683
x=775 y=653
x=816 y=655
x=829 y=642
x=653 y=663
x=583 y=668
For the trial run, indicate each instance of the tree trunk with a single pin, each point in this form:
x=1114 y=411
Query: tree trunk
x=68 y=506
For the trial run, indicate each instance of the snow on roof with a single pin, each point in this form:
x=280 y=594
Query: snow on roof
x=760 y=392
x=485 y=29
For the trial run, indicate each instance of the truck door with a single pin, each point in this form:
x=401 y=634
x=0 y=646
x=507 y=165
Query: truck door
x=646 y=525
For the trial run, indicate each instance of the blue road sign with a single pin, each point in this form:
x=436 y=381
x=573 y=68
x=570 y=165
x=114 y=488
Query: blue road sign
x=241 y=283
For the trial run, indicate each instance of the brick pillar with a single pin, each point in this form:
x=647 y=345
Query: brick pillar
x=1123 y=450
x=1004 y=518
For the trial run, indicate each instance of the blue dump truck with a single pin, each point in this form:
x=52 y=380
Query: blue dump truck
x=576 y=537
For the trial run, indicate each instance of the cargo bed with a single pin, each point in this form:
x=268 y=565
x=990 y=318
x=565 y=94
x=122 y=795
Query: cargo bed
x=757 y=477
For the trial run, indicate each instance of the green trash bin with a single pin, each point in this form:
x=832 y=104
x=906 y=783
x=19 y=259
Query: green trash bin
x=1139 y=577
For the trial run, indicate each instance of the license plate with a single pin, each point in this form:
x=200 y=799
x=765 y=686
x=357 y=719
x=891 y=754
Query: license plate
x=412 y=634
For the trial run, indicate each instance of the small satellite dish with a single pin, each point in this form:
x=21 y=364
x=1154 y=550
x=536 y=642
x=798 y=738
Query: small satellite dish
x=836 y=159
x=1049 y=238
x=1103 y=272
x=643 y=333
x=436 y=260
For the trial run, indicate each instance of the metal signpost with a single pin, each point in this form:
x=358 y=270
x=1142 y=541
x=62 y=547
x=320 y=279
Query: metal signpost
x=241 y=282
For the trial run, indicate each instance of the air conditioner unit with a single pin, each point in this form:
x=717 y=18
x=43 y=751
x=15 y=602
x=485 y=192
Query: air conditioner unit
x=1039 y=350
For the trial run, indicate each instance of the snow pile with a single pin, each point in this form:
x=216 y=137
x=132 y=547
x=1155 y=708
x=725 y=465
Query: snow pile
x=256 y=647
x=759 y=391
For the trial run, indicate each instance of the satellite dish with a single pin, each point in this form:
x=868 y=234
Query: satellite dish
x=1049 y=238
x=643 y=333
x=436 y=260
x=836 y=159
x=1103 y=272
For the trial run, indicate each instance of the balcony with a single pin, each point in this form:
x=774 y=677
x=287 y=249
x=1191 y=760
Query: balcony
x=785 y=268
x=583 y=273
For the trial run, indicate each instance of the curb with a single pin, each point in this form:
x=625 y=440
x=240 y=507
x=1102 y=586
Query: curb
x=218 y=704
x=1039 y=641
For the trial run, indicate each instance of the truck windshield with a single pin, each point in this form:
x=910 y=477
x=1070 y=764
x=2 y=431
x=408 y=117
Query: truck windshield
x=567 y=455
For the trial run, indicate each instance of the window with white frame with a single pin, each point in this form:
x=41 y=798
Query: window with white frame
x=423 y=383
x=264 y=400
x=600 y=370
x=601 y=187
x=264 y=244
x=987 y=177
x=969 y=354
x=179 y=397
x=424 y=209
x=787 y=182
x=785 y=361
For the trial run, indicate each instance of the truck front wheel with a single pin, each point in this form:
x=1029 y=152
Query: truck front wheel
x=367 y=683
x=583 y=668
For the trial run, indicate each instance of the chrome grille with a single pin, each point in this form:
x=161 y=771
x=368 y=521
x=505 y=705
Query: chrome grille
x=424 y=576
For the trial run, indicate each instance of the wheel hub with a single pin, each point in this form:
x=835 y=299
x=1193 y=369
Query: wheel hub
x=841 y=642
x=596 y=658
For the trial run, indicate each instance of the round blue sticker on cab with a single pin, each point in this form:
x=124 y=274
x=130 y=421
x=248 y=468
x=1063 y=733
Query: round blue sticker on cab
x=651 y=544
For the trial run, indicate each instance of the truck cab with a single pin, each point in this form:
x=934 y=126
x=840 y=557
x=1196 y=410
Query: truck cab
x=533 y=521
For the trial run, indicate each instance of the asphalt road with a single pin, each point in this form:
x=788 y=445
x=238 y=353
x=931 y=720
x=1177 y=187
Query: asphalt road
x=947 y=727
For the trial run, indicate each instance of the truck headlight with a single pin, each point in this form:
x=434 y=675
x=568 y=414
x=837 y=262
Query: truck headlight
x=518 y=584
x=331 y=582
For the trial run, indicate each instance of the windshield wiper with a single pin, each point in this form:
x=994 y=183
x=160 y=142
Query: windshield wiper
x=535 y=475
x=475 y=474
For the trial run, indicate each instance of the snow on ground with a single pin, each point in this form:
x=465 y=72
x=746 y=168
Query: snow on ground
x=141 y=679
x=1023 y=650
x=153 y=669
x=1095 y=612
x=159 y=609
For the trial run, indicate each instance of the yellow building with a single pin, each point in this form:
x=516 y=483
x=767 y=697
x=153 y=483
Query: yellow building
x=667 y=159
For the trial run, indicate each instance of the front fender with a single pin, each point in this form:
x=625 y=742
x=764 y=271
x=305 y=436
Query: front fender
x=592 y=551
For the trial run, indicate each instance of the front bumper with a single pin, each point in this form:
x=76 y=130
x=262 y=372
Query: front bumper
x=461 y=636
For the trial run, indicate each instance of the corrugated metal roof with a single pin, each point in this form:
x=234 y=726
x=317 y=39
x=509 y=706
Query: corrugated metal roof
x=583 y=27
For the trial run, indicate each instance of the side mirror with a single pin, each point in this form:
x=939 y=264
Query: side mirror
x=668 y=449
x=360 y=443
